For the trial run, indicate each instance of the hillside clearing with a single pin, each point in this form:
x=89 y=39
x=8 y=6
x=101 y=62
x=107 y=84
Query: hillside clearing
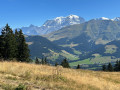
x=39 y=77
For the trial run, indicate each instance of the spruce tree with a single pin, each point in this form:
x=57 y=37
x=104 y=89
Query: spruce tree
x=23 y=50
x=104 y=68
x=2 y=43
x=42 y=61
x=78 y=66
x=110 y=67
x=116 y=67
x=37 y=61
x=65 y=63
x=13 y=45
x=119 y=66
x=8 y=43
x=17 y=42
x=45 y=61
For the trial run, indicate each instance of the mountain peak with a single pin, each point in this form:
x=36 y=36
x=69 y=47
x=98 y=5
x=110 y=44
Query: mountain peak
x=61 y=18
x=102 y=18
x=116 y=19
x=73 y=16
x=31 y=25
x=58 y=18
x=56 y=24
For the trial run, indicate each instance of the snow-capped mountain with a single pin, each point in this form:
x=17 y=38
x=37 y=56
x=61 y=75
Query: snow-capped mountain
x=102 y=18
x=53 y=25
x=116 y=19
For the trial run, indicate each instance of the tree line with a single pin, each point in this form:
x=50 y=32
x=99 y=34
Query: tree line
x=44 y=61
x=64 y=63
x=13 y=45
x=111 y=68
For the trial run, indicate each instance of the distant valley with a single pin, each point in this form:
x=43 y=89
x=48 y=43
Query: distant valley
x=88 y=43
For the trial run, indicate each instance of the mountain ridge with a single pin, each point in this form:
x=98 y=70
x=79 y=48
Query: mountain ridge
x=96 y=29
x=53 y=25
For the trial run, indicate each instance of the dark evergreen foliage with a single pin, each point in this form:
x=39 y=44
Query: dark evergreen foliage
x=13 y=45
x=8 y=43
x=37 y=61
x=104 y=68
x=44 y=61
x=65 y=63
x=78 y=66
x=23 y=50
x=117 y=66
x=110 y=67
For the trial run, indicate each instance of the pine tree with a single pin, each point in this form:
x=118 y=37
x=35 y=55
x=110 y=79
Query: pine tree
x=110 y=67
x=2 y=43
x=23 y=50
x=78 y=66
x=37 y=61
x=17 y=42
x=119 y=66
x=42 y=61
x=104 y=68
x=8 y=43
x=116 y=66
x=45 y=61
x=65 y=63
x=13 y=45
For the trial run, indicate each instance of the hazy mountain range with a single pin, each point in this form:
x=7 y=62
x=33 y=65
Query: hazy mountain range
x=58 y=23
x=53 y=25
x=88 y=42
x=94 y=29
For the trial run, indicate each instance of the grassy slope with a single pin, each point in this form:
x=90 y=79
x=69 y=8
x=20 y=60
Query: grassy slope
x=39 y=77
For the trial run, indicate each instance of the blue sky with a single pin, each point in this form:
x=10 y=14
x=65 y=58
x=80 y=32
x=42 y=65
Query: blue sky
x=18 y=13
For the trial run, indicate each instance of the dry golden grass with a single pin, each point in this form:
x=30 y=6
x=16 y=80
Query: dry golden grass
x=39 y=77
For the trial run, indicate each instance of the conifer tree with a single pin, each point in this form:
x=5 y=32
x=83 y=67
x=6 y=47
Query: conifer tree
x=117 y=66
x=78 y=66
x=2 y=43
x=45 y=61
x=37 y=61
x=110 y=67
x=104 y=68
x=65 y=63
x=42 y=61
x=8 y=43
x=23 y=50
x=13 y=45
